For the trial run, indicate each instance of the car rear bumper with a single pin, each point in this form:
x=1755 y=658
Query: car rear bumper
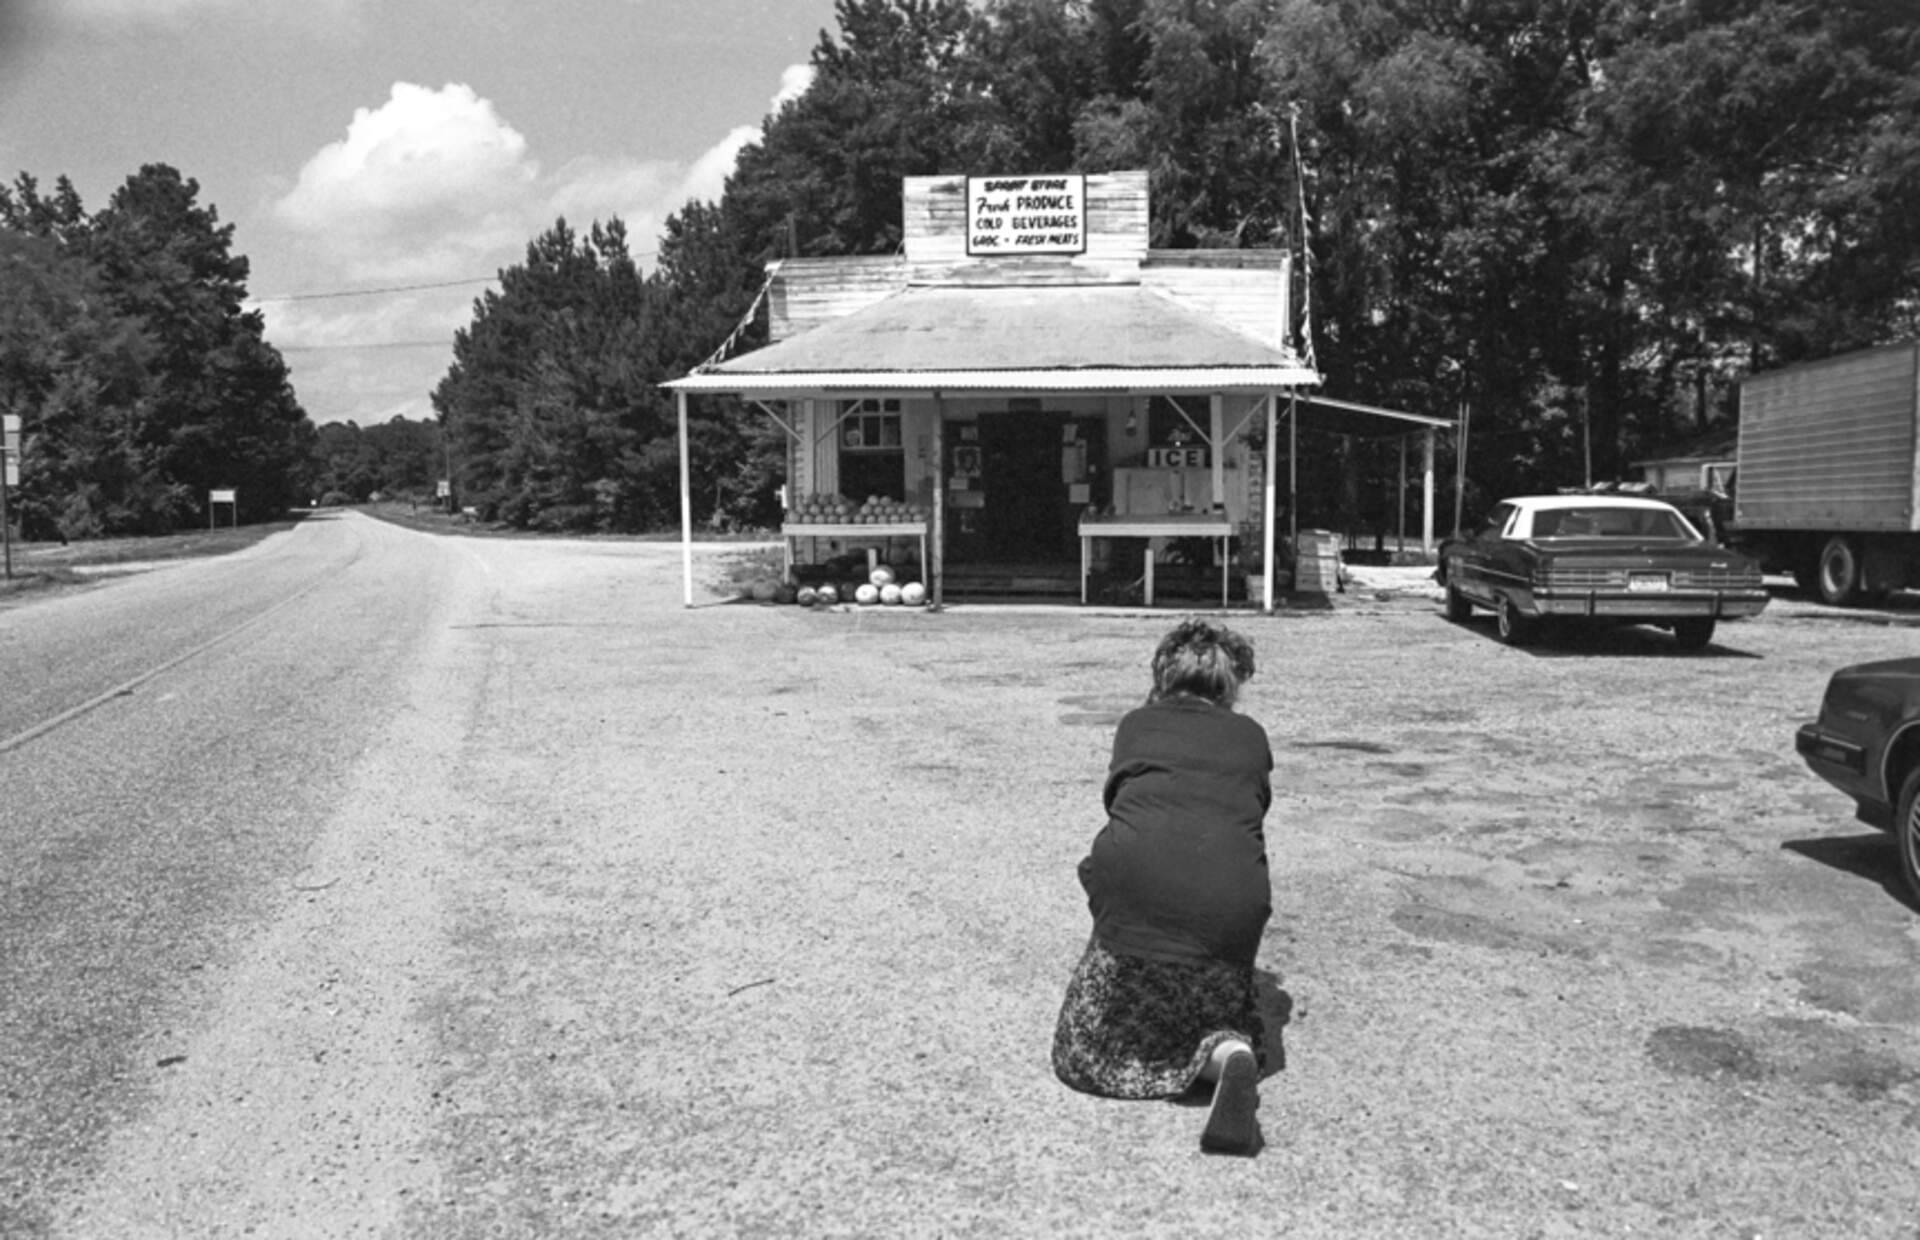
x=1843 y=763
x=1672 y=605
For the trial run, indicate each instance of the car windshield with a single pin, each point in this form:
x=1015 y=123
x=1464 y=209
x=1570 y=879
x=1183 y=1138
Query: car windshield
x=1610 y=523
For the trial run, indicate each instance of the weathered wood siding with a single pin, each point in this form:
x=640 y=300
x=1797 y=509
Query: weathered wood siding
x=1244 y=289
x=808 y=292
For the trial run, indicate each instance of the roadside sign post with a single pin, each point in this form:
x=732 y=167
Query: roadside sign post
x=9 y=481
x=229 y=497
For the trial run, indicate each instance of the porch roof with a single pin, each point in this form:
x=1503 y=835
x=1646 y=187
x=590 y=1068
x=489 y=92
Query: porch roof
x=1011 y=338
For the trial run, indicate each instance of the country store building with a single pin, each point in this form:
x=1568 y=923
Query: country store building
x=1029 y=400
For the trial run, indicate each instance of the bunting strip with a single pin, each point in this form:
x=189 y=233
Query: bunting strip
x=746 y=320
x=1306 y=246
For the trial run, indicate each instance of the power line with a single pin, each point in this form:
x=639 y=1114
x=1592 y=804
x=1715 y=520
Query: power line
x=333 y=294
x=371 y=344
x=376 y=292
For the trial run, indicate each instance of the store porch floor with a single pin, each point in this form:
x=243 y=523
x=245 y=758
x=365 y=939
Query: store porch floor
x=1059 y=582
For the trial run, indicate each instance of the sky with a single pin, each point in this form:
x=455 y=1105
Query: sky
x=362 y=149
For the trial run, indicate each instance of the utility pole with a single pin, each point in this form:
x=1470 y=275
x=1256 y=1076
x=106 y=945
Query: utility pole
x=9 y=478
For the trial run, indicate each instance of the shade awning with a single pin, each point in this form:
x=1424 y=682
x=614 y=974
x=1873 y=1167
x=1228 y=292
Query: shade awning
x=1324 y=413
x=1076 y=338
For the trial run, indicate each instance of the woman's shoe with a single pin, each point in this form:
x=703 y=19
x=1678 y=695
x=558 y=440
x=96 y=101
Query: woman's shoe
x=1231 y=1126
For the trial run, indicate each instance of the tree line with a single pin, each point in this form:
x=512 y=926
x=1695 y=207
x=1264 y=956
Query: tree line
x=140 y=382
x=1579 y=220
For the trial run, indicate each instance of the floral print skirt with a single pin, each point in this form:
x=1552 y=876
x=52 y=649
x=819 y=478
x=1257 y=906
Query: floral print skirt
x=1134 y=1028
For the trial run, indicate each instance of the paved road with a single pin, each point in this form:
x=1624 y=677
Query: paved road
x=172 y=748
x=456 y=887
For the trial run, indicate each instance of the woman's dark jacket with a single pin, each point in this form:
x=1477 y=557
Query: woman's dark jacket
x=1179 y=873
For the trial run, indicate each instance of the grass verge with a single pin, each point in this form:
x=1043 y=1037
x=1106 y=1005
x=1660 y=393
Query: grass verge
x=40 y=570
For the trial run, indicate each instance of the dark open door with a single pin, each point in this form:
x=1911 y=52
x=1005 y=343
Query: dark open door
x=1025 y=513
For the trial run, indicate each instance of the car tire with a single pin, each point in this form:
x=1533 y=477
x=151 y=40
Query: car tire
x=1840 y=575
x=1458 y=607
x=1514 y=629
x=1906 y=832
x=1694 y=634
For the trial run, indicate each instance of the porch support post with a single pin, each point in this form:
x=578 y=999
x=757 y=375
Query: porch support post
x=1400 y=501
x=1273 y=488
x=686 y=504
x=1217 y=445
x=936 y=571
x=1426 y=484
x=1293 y=469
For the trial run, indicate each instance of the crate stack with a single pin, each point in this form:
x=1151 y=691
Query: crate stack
x=1316 y=567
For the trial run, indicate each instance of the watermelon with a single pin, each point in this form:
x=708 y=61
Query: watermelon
x=913 y=594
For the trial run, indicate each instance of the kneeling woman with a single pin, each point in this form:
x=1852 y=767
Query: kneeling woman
x=1178 y=886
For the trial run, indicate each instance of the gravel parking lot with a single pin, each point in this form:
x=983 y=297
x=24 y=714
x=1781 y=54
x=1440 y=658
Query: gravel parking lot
x=1567 y=942
x=749 y=920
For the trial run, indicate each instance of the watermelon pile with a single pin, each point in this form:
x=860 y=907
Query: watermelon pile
x=835 y=510
x=819 y=510
x=881 y=587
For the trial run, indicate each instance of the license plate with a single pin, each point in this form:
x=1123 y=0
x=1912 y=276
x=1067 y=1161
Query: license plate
x=1647 y=583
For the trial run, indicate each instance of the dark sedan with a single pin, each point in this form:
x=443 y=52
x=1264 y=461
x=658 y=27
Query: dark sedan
x=1597 y=558
x=1866 y=743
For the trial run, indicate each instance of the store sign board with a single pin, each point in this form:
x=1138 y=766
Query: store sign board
x=222 y=497
x=1026 y=215
x=10 y=447
x=1176 y=458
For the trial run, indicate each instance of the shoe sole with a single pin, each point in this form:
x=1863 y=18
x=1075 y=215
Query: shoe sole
x=1231 y=1125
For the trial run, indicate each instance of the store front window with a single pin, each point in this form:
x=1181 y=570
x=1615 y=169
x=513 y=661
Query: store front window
x=873 y=459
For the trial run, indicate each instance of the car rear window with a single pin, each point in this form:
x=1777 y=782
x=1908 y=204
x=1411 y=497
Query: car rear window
x=1608 y=523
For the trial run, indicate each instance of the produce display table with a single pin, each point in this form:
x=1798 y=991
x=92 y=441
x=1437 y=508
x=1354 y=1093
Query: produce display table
x=852 y=532
x=1169 y=525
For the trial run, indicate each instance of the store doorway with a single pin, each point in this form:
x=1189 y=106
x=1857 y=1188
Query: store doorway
x=1016 y=484
x=1024 y=519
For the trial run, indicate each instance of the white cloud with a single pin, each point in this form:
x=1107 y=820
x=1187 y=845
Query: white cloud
x=96 y=14
x=427 y=182
x=434 y=185
x=794 y=81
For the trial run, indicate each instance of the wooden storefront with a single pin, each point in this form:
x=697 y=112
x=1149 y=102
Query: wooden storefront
x=1018 y=412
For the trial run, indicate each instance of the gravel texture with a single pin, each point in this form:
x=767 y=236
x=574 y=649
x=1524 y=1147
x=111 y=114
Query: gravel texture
x=748 y=920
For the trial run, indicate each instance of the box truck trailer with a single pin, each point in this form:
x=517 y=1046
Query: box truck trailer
x=1826 y=483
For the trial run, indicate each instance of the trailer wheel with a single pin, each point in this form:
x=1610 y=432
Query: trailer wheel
x=1840 y=572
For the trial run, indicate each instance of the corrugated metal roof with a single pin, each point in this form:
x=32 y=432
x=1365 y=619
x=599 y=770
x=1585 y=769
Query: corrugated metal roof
x=1012 y=338
x=1011 y=382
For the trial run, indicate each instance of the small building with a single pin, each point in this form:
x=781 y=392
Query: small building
x=1704 y=463
x=1028 y=396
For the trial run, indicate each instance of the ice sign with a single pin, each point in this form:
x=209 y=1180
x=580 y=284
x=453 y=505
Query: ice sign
x=1026 y=215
